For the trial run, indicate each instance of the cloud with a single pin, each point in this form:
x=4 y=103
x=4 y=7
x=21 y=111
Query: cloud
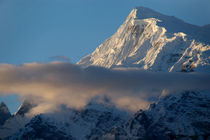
x=58 y=83
x=60 y=58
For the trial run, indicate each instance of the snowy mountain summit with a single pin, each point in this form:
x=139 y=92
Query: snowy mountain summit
x=155 y=42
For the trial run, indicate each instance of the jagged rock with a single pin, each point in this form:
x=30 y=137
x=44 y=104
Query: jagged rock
x=4 y=113
x=25 y=107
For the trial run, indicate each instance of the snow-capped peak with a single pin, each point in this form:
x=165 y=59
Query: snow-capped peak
x=148 y=40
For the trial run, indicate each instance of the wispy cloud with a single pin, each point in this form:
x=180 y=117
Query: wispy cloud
x=60 y=58
x=65 y=83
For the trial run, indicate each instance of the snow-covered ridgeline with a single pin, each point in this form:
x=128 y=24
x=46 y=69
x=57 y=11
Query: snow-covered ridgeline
x=143 y=44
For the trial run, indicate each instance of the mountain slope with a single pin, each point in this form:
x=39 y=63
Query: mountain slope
x=25 y=107
x=70 y=124
x=4 y=113
x=17 y=121
x=179 y=116
x=146 y=40
x=174 y=25
x=154 y=42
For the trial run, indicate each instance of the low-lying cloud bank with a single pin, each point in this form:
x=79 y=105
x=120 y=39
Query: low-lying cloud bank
x=65 y=83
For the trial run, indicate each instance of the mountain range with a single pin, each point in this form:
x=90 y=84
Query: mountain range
x=147 y=40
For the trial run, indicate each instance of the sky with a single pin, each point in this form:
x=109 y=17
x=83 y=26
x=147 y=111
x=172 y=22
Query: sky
x=49 y=30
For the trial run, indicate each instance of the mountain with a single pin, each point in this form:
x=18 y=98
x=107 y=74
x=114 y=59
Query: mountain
x=175 y=25
x=155 y=42
x=25 y=107
x=4 y=113
x=40 y=128
x=146 y=40
x=17 y=121
x=179 y=116
x=151 y=41
x=98 y=117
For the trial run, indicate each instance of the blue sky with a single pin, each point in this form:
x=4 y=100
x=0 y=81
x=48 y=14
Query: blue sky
x=37 y=30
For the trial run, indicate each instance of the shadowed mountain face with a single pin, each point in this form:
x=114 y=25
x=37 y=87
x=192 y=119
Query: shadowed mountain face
x=180 y=116
x=93 y=120
x=25 y=107
x=13 y=123
x=147 y=40
x=4 y=113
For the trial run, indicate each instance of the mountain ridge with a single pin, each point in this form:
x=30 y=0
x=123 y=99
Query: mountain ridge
x=143 y=44
x=174 y=24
